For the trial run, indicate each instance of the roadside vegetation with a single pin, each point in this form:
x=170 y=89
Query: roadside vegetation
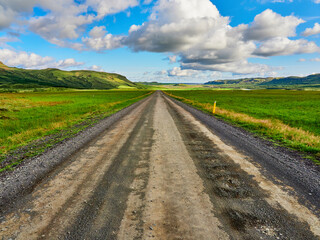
x=290 y=118
x=27 y=117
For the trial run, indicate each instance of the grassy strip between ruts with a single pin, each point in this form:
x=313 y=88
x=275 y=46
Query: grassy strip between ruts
x=30 y=123
x=273 y=129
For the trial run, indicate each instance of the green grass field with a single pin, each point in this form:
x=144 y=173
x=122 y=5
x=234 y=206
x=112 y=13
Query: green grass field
x=25 y=117
x=290 y=117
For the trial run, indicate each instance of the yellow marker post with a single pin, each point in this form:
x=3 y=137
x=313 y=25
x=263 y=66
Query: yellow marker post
x=214 y=107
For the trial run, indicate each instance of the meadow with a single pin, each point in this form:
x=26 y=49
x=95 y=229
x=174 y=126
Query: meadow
x=290 y=118
x=27 y=117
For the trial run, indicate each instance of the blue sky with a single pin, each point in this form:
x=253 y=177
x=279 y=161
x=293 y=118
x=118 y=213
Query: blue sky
x=164 y=40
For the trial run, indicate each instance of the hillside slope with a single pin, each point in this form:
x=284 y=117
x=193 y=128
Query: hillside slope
x=311 y=80
x=83 y=79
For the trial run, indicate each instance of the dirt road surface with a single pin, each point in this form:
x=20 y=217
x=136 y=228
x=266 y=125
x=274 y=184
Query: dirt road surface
x=160 y=173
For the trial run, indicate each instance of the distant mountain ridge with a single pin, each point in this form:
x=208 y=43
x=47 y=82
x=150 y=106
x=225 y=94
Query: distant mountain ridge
x=312 y=80
x=83 y=79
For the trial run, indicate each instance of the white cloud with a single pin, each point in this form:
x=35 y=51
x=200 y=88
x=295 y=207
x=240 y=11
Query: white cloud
x=162 y=72
x=65 y=19
x=6 y=39
x=215 y=45
x=6 y=17
x=240 y=67
x=146 y=2
x=269 y=24
x=284 y=46
x=98 y=32
x=66 y=63
x=99 y=40
x=317 y=1
x=34 y=61
x=23 y=59
x=96 y=68
x=311 y=60
x=171 y=26
x=195 y=74
x=104 y=8
x=9 y=10
x=177 y=71
x=312 y=31
x=173 y=59
x=50 y=27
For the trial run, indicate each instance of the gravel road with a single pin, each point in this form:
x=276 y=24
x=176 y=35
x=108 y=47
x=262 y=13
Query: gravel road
x=162 y=170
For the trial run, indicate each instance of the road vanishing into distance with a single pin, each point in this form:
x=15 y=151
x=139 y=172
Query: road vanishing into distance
x=167 y=171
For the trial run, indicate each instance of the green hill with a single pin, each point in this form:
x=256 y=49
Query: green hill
x=311 y=79
x=285 y=82
x=51 y=77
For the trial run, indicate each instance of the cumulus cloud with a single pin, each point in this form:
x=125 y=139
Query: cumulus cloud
x=309 y=60
x=159 y=73
x=103 y=7
x=66 y=63
x=171 y=26
x=9 y=10
x=99 y=40
x=193 y=74
x=23 y=59
x=312 y=31
x=52 y=27
x=146 y=2
x=64 y=20
x=34 y=61
x=239 y=67
x=214 y=45
x=173 y=59
x=270 y=25
x=96 y=68
x=6 y=17
x=284 y=46
x=177 y=71
x=6 y=39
